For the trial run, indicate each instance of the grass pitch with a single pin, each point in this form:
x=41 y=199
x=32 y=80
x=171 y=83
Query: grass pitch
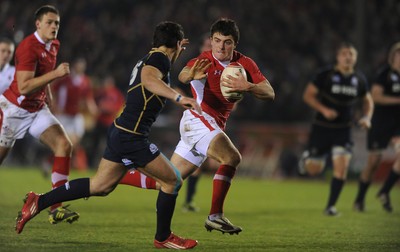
x=275 y=216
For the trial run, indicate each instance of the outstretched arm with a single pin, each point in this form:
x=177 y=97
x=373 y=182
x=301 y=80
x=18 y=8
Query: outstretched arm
x=196 y=72
x=152 y=80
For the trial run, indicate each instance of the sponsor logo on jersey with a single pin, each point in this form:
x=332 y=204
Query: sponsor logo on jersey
x=396 y=88
x=153 y=148
x=345 y=90
x=127 y=161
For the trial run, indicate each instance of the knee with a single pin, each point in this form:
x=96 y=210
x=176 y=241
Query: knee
x=233 y=159
x=314 y=166
x=173 y=184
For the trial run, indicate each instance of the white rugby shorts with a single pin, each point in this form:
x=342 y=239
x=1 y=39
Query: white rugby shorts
x=196 y=131
x=74 y=125
x=16 y=121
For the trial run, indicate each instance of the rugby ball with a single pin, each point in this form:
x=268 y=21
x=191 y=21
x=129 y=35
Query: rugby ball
x=231 y=70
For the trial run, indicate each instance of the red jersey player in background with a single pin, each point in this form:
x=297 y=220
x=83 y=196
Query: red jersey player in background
x=73 y=99
x=110 y=102
x=203 y=135
x=23 y=104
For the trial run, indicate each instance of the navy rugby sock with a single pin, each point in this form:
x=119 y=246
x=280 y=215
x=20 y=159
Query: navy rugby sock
x=362 y=190
x=336 y=188
x=390 y=181
x=74 y=189
x=191 y=188
x=165 y=209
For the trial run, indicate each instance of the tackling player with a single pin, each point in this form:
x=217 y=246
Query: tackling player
x=128 y=145
x=23 y=104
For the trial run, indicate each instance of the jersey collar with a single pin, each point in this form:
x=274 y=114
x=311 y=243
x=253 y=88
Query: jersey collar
x=46 y=45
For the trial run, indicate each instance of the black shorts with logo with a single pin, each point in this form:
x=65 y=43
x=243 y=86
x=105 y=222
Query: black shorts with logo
x=322 y=139
x=132 y=150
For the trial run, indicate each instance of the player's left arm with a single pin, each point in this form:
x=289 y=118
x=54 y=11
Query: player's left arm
x=262 y=90
x=368 y=110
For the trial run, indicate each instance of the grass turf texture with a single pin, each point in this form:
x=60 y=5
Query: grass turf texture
x=275 y=216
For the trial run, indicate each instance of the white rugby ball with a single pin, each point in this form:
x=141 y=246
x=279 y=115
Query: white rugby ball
x=231 y=70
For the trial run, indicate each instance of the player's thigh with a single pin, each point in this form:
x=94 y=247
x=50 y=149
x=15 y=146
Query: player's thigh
x=3 y=153
x=56 y=138
x=107 y=177
x=222 y=149
x=162 y=170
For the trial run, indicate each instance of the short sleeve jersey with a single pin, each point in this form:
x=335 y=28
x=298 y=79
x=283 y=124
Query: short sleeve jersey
x=71 y=91
x=34 y=55
x=389 y=80
x=339 y=92
x=142 y=106
x=207 y=92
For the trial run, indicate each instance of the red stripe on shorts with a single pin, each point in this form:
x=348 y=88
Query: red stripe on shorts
x=208 y=125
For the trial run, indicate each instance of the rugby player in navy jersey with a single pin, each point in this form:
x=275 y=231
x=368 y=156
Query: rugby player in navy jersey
x=385 y=129
x=128 y=145
x=333 y=93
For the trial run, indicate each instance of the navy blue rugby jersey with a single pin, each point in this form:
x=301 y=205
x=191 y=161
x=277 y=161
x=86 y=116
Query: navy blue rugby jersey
x=339 y=92
x=142 y=107
x=389 y=80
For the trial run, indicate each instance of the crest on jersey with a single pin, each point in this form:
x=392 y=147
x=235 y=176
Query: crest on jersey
x=336 y=78
x=354 y=81
x=394 y=77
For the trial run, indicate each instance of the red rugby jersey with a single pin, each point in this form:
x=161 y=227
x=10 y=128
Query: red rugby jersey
x=32 y=54
x=207 y=92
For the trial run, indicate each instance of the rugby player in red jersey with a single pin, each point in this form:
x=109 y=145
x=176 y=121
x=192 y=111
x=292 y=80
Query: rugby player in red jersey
x=23 y=104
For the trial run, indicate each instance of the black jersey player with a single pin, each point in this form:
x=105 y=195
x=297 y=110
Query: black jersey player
x=385 y=129
x=128 y=145
x=333 y=93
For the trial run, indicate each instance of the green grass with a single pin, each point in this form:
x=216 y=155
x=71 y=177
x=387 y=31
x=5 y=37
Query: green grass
x=275 y=216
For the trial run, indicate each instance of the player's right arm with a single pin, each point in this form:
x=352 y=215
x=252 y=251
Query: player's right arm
x=379 y=97
x=152 y=80
x=310 y=98
x=28 y=83
x=196 y=72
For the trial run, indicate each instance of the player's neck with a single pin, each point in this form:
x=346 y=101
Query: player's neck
x=344 y=70
x=168 y=51
x=396 y=67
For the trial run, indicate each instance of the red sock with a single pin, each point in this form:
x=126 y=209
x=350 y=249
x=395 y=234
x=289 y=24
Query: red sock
x=137 y=179
x=221 y=183
x=59 y=174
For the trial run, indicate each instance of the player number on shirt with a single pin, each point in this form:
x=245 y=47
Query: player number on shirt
x=135 y=71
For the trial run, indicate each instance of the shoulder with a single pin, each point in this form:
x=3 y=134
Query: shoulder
x=360 y=75
x=244 y=60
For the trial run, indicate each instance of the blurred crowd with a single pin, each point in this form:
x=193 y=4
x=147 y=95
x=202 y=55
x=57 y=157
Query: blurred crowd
x=289 y=39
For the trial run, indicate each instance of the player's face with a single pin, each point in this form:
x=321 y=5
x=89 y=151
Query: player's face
x=48 y=26
x=396 y=59
x=6 y=53
x=222 y=46
x=346 y=57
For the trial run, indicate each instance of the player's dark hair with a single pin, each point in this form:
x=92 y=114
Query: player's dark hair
x=6 y=41
x=345 y=44
x=44 y=10
x=167 y=34
x=226 y=27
